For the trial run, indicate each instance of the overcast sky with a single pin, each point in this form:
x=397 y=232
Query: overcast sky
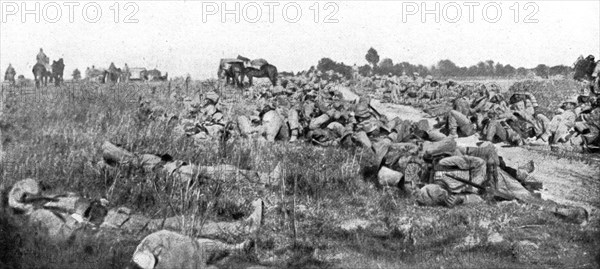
x=185 y=37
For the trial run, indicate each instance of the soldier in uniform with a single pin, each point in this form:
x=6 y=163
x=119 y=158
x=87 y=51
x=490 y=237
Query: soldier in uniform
x=126 y=73
x=41 y=58
x=9 y=75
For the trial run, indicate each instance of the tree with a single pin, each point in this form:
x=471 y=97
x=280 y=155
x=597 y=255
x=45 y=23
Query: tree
x=541 y=70
x=447 y=68
x=364 y=70
x=559 y=70
x=372 y=57
x=499 y=70
x=386 y=63
x=76 y=74
x=521 y=71
x=472 y=71
x=326 y=64
x=386 y=66
x=481 y=69
x=489 y=69
x=509 y=70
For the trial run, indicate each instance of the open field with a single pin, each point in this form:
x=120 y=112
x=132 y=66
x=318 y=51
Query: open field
x=324 y=215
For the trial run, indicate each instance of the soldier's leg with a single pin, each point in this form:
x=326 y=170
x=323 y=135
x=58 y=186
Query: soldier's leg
x=475 y=165
x=211 y=248
x=490 y=130
x=452 y=125
x=544 y=126
x=591 y=136
x=294 y=122
x=461 y=121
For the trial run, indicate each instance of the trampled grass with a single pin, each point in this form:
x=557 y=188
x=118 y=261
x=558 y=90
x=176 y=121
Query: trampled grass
x=57 y=138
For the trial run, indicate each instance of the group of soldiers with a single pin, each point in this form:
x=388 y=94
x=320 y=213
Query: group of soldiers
x=320 y=108
x=63 y=216
x=41 y=58
x=464 y=110
x=93 y=72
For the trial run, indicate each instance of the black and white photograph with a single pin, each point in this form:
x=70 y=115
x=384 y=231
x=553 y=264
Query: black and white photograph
x=160 y=134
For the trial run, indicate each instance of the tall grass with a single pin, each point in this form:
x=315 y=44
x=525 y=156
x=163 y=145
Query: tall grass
x=56 y=138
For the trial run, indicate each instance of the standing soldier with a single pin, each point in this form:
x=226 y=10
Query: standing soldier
x=418 y=80
x=355 y=72
x=10 y=74
x=126 y=73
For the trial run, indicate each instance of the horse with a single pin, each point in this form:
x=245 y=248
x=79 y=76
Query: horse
x=165 y=77
x=153 y=75
x=267 y=70
x=231 y=69
x=58 y=67
x=40 y=74
x=113 y=75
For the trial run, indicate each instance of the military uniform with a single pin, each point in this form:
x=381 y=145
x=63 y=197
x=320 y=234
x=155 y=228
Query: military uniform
x=9 y=75
x=166 y=249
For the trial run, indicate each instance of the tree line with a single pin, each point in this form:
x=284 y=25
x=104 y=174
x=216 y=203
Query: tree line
x=444 y=68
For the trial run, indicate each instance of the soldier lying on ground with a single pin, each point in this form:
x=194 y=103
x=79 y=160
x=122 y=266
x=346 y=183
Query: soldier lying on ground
x=166 y=249
x=456 y=178
x=60 y=216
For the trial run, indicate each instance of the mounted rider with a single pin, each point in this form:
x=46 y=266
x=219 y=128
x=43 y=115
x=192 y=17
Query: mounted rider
x=41 y=58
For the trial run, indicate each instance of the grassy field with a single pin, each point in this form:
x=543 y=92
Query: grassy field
x=56 y=137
